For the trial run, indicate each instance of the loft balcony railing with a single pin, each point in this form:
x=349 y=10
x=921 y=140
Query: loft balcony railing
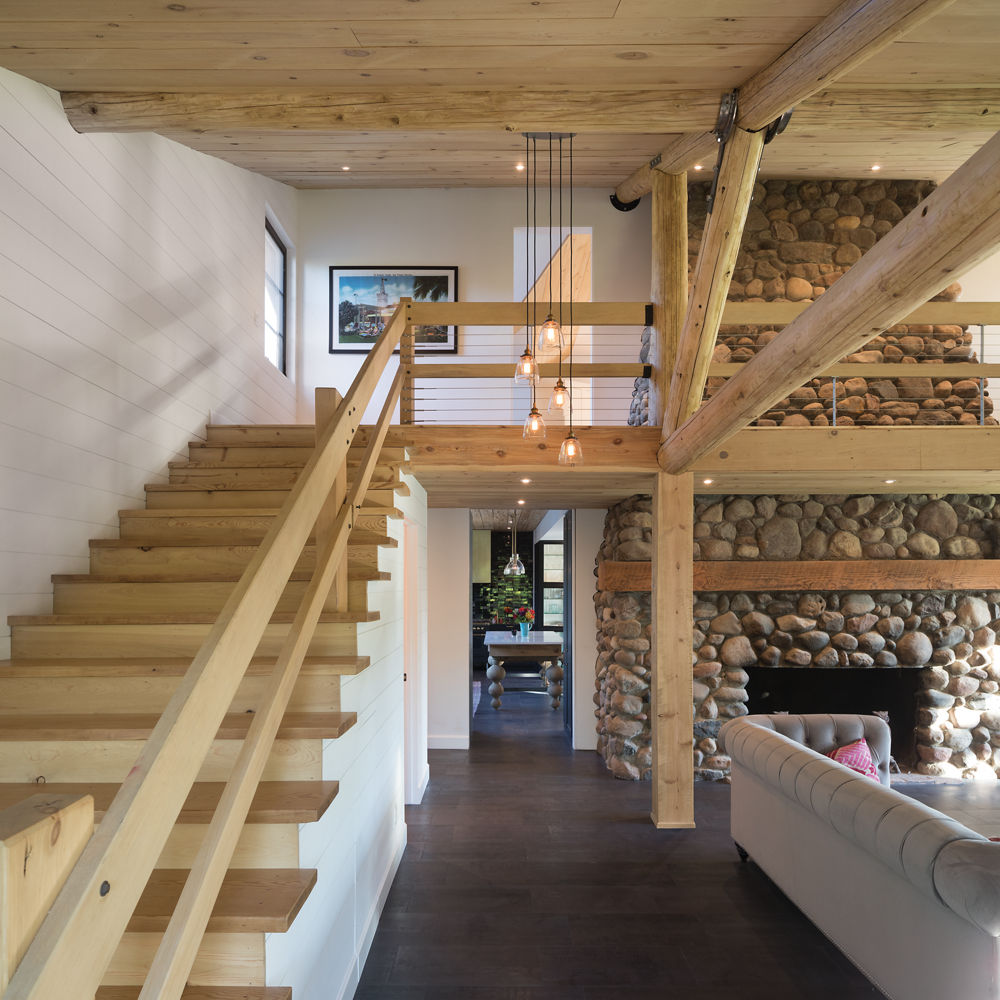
x=477 y=387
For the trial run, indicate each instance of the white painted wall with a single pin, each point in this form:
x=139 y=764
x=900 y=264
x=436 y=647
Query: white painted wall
x=358 y=844
x=550 y=527
x=449 y=583
x=470 y=228
x=588 y=533
x=131 y=301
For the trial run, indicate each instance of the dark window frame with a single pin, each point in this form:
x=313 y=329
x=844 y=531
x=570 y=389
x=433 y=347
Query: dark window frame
x=269 y=229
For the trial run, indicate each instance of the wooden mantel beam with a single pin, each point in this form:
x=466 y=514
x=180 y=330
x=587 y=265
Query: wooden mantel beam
x=852 y=33
x=954 y=228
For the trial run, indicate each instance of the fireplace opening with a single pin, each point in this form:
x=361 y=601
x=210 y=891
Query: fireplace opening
x=842 y=690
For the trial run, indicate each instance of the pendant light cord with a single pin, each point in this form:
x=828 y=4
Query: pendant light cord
x=559 y=345
x=572 y=330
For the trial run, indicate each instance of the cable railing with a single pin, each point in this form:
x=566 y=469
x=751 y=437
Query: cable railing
x=477 y=387
x=78 y=938
x=932 y=379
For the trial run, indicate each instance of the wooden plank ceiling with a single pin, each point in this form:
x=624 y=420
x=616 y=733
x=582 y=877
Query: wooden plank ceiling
x=501 y=520
x=436 y=92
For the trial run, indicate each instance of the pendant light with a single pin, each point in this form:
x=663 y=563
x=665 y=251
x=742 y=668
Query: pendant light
x=550 y=335
x=570 y=453
x=526 y=371
x=559 y=399
x=514 y=566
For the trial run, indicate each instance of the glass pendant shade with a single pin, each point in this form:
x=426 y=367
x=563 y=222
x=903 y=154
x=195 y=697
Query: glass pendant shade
x=570 y=453
x=515 y=567
x=525 y=370
x=560 y=396
x=551 y=333
x=534 y=425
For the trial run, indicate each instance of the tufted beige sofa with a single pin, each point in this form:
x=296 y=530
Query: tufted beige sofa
x=909 y=895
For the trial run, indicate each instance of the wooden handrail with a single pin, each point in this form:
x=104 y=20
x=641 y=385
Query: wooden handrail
x=78 y=938
x=179 y=946
x=922 y=369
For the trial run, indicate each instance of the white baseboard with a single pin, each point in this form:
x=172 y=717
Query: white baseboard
x=353 y=977
x=418 y=795
x=447 y=742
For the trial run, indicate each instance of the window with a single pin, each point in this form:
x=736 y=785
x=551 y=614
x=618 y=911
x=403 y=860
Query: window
x=549 y=585
x=275 y=275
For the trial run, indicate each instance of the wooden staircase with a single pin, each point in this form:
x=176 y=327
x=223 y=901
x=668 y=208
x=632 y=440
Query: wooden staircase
x=85 y=686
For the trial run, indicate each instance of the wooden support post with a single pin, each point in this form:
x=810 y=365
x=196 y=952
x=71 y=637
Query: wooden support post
x=672 y=607
x=407 y=360
x=669 y=292
x=713 y=274
x=954 y=228
x=327 y=403
x=40 y=840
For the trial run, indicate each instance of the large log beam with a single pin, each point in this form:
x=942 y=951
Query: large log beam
x=411 y=109
x=691 y=113
x=712 y=276
x=955 y=227
x=852 y=33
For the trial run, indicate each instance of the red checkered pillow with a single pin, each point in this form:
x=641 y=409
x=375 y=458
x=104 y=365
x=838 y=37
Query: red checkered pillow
x=857 y=756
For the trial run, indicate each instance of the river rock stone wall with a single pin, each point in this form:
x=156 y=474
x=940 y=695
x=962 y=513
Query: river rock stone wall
x=799 y=240
x=950 y=637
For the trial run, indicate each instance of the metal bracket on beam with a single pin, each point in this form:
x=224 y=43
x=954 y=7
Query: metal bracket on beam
x=778 y=125
x=724 y=125
x=624 y=206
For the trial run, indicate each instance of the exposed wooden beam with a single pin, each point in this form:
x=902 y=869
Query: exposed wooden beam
x=720 y=245
x=852 y=33
x=669 y=289
x=408 y=109
x=954 y=228
x=671 y=697
x=782 y=313
x=648 y=109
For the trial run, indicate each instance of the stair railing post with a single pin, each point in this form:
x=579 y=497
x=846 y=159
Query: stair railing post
x=407 y=360
x=327 y=404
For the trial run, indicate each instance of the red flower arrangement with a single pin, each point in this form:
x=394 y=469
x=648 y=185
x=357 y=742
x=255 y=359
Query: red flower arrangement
x=519 y=615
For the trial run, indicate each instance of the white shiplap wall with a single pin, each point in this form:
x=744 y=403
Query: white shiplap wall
x=131 y=299
x=358 y=844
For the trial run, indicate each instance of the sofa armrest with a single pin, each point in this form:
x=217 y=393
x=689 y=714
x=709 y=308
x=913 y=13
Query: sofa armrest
x=824 y=733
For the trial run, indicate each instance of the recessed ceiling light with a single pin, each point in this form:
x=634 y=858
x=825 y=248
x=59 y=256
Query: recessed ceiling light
x=698 y=166
x=708 y=482
x=888 y=482
x=876 y=166
x=519 y=166
x=520 y=503
x=345 y=168
x=525 y=480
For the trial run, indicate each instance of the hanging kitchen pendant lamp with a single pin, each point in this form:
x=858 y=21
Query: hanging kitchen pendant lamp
x=526 y=370
x=514 y=566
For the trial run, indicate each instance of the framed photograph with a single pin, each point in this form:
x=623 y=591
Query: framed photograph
x=362 y=300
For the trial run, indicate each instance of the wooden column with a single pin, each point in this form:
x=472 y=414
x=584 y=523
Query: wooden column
x=40 y=841
x=327 y=403
x=672 y=697
x=407 y=359
x=713 y=273
x=669 y=291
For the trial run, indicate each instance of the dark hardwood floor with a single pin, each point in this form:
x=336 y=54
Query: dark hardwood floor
x=530 y=874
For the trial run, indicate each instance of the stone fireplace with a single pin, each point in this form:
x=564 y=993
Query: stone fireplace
x=940 y=645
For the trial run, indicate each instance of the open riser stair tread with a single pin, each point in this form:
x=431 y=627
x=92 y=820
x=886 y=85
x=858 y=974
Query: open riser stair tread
x=163 y=525
x=278 y=618
x=222 y=497
x=138 y=726
x=274 y=802
x=164 y=666
x=203 y=993
x=279 y=434
x=251 y=900
x=359 y=538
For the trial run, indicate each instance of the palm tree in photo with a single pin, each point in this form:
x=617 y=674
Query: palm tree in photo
x=430 y=287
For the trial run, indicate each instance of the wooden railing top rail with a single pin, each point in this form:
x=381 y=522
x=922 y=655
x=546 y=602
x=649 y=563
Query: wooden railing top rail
x=634 y=313
x=77 y=940
x=922 y=369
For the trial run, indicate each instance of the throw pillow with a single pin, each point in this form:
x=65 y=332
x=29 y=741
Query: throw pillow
x=857 y=756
